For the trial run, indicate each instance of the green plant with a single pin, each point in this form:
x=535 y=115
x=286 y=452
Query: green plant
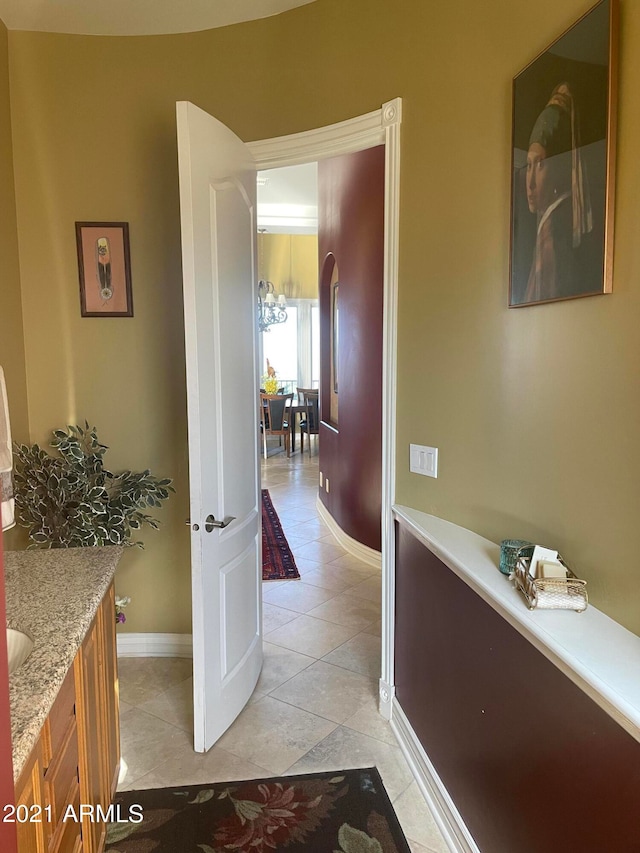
x=71 y=500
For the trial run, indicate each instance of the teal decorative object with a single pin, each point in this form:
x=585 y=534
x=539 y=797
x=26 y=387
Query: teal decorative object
x=510 y=550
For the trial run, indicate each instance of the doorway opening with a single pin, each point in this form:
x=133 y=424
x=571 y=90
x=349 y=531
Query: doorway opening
x=287 y=257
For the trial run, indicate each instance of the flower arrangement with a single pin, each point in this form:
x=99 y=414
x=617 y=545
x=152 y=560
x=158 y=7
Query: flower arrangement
x=121 y=603
x=269 y=381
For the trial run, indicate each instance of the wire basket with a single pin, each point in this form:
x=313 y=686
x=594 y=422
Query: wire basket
x=568 y=593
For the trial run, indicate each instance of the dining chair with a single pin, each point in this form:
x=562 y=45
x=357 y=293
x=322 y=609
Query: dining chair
x=274 y=418
x=302 y=391
x=310 y=419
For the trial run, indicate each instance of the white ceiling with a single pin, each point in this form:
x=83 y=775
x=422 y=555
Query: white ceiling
x=135 y=17
x=288 y=200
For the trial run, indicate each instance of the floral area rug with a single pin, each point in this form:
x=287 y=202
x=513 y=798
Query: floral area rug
x=345 y=811
x=277 y=560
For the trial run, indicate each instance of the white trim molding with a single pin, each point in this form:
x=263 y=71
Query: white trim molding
x=597 y=654
x=352 y=546
x=386 y=695
x=154 y=645
x=391 y=119
x=443 y=809
x=344 y=137
x=379 y=127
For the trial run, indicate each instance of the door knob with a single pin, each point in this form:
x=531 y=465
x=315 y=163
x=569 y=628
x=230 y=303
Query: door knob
x=210 y=522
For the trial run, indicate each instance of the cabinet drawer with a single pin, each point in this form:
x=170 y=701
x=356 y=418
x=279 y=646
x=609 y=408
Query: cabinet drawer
x=67 y=837
x=62 y=774
x=60 y=718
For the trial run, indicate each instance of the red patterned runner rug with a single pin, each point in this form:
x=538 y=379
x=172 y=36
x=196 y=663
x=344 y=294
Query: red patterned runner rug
x=343 y=811
x=278 y=563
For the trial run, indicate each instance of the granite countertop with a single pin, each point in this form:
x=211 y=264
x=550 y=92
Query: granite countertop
x=52 y=596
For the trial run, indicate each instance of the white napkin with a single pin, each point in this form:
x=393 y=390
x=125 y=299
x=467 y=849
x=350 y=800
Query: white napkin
x=540 y=553
x=6 y=458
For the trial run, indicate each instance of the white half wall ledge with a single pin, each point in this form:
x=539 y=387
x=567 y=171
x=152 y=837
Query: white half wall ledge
x=596 y=653
x=154 y=645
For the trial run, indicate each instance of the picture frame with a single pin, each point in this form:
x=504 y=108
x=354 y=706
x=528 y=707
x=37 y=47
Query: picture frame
x=104 y=269
x=563 y=165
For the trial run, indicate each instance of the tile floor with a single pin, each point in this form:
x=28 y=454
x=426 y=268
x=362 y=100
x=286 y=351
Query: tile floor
x=315 y=705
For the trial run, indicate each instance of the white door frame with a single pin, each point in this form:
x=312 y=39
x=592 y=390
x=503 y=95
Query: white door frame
x=380 y=127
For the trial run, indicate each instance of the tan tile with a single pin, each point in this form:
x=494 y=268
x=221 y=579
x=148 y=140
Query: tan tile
x=311 y=529
x=329 y=691
x=146 y=742
x=348 y=610
x=299 y=596
x=327 y=578
x=255 y=697
x=328 y=538
x=297 y=514
x=274 y=480
x=344 y=749
x=371 y=589
x=375 y=629
x=124 y=707
x=361 y=653
x=305 y=565
x=280 y=665
x=274 y=617
x=417 y=821
x=415 y=847
x=351 y=577
x=273 y=734
x=197 y=768
x=267 y=585
x=174 y=706
x=142 y=678
x=348 y=561
x=321 y=552
x=309 y=636
x=368 y=721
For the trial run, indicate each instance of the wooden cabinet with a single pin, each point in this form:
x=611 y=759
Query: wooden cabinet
x=109 y=669
x=76 y=759
x=32 y=834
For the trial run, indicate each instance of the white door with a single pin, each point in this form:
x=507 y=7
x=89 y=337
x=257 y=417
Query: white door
x=217 y=208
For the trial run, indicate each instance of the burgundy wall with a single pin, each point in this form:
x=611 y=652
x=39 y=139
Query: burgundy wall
x=531 y=762
x=351 y=231
x=7 y=830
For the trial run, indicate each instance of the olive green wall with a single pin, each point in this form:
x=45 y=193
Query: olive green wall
x=535 y=411
x=11 y=337
x=290 y=262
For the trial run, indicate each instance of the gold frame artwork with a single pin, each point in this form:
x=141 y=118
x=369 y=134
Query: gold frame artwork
x=563 y=162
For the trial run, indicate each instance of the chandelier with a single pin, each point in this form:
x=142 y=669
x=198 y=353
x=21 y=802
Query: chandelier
x=272 y=309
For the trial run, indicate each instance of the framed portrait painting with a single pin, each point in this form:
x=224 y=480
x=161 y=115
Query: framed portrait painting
x=104 y=268
x=563 y=157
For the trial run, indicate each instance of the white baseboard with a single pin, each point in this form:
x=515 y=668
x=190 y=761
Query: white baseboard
x=154 y=645
x=350 y=545
x=446 y=815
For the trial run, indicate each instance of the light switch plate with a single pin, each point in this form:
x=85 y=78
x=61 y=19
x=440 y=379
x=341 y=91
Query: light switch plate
x=423 y=460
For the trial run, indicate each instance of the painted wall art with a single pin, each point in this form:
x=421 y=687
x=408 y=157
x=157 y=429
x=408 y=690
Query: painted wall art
x=563 y=164
x=104 y=267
